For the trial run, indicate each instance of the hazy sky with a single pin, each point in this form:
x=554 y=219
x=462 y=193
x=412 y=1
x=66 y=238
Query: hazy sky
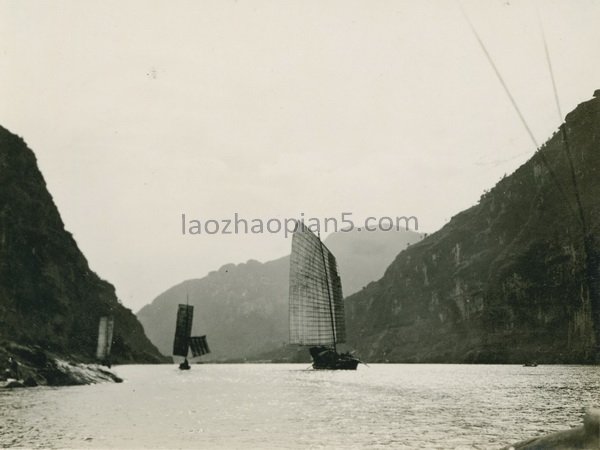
x=139 y=111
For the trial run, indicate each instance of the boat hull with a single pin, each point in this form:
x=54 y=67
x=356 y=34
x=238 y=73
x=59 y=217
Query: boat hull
x=327 y=359
x=184 y=365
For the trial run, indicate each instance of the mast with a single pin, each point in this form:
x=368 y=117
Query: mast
x=328 y=291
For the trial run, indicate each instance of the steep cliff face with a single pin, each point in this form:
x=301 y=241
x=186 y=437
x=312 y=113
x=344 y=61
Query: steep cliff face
x=48 y=295
x=503 y=281
x=244 y=308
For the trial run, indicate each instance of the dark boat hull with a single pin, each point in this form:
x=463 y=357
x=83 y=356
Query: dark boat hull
x=327 y=359
x=184 y=365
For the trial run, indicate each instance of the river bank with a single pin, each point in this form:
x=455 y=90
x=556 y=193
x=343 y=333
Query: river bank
x=33 y=366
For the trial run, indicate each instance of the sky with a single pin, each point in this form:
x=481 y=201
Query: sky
x=141 y=111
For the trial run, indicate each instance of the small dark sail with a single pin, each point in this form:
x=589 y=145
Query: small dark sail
x=183 y=330
x=199 y=346
x=105 y=337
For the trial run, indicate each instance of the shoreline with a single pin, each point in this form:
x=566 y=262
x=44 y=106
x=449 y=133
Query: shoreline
x=38 y=367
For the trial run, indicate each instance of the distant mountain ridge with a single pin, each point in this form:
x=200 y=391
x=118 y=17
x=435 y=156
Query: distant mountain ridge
x=505 y=280
x=243 y=308
x=49 y=296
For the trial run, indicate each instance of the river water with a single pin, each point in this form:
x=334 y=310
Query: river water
x=285 y=406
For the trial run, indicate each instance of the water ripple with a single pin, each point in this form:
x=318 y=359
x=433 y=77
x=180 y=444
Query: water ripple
x=284 y=406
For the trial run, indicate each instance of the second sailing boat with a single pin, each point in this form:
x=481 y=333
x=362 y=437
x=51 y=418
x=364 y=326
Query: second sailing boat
x=183 y=341
x=316 y=302
x=105 y=338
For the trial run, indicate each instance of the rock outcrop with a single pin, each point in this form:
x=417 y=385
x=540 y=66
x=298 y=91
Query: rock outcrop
x=37 y=367
x=586 y=437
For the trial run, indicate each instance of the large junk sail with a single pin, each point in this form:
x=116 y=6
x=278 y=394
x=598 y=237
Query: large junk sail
x=183 y=330
x=316 y=300
x=105 y=336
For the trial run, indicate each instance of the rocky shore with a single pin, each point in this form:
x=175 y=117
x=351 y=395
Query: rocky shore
x=584 y=437
x=34 y=366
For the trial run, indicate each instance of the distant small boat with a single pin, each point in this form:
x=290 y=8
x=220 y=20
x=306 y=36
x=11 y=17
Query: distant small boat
x=184 y=341
x=530 y=364
x=316 y=311
x=105 y=338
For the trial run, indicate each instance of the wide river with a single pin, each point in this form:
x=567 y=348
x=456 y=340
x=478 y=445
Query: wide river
x=286 y=406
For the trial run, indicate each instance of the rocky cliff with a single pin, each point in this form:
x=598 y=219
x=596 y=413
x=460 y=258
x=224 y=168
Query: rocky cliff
x=244 y=308
x=506 y=281
x=50 y=300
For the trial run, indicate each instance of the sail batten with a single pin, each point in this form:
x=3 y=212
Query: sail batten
x=199 y=346
x=316 y=299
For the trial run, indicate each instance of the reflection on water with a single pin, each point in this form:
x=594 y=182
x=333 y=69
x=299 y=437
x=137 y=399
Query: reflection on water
x=285 y=406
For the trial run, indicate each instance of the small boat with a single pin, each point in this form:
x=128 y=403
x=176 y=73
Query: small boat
x=105 y=338
x=530 y=364
x=316 y=312
x=183 y=341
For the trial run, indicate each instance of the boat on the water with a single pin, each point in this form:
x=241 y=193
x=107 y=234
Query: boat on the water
x=316 y=302
x=184 y=341
x=105 y=338
x=530 y=364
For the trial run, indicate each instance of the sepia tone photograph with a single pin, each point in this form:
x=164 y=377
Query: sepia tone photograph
x=290 y=224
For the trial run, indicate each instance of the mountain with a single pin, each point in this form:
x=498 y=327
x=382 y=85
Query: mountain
x=509 y=280
x=241 y=308
x=363 y=256
x=244 y=308
x=50 y=299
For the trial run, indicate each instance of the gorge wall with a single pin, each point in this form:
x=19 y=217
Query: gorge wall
x=504 y=281
x=49 y=296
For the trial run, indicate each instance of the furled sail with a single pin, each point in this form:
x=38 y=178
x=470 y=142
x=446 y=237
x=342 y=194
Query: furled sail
x=199 y=346
x=183 y=330
x=316 y=301
x=105 y=336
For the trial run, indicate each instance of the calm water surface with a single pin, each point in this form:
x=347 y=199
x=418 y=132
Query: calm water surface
x=284 y=406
